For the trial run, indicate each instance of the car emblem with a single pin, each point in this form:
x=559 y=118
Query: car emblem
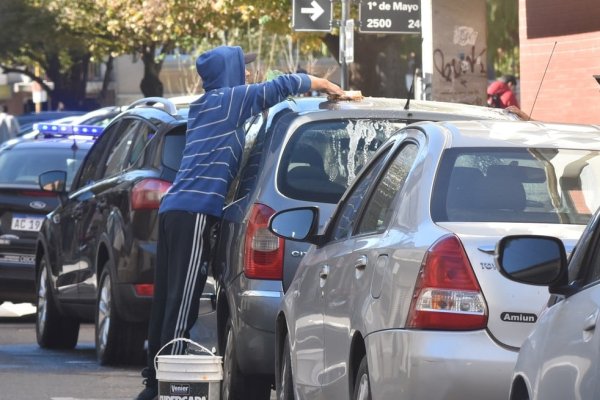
x=38 y=205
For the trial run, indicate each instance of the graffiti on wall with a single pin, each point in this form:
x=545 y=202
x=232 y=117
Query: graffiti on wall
x=461 y=67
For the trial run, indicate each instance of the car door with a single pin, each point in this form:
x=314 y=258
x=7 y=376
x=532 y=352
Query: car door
x=102 y=209
x=349 y=282
x=312 y=287
x=570 y=347
x=66 y=219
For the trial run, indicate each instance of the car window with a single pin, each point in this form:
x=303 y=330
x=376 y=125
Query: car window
x=173 y=149
x=517 y=185
x=378 y=209
x=23 y=166
x=324 y=157
x=584 y=264
x=89 y=171
x=347 y=212
x=117 y=158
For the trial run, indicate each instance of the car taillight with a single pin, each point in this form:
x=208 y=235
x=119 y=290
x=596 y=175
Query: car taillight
x=447 y=294
x=263 y=251
x=144 y=289
x=147 y=193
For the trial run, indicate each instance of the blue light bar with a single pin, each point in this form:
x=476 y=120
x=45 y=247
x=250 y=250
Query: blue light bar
x=66 y=130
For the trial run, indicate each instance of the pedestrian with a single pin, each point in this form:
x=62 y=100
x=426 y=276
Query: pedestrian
x=501 y=93
x=9 y=126
x=214 y=144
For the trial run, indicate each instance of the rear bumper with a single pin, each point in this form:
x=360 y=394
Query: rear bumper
x=464 y=365
x=255 y=345
x=132 y=308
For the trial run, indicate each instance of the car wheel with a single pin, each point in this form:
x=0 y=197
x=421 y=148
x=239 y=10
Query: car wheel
x=285 y=382
x=117 y=341
x=53 y=330
x=236 y=385
x=362 y=389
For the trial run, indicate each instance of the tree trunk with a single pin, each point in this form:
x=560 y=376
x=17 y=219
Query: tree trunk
x=151 y=85
x=103 y=95
x=380 y=62
x=70 y=86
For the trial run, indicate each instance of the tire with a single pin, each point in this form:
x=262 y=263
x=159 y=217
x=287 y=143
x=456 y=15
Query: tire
x=118 y=342
x=362 y=387
x=236 y=385
x=53 y=330
x=285 y=382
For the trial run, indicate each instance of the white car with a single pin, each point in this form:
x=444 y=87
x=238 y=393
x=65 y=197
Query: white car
x=561 y=358
x=400 y=296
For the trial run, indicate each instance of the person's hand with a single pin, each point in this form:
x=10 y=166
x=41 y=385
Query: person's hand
x=326 y=86
x=520 y=113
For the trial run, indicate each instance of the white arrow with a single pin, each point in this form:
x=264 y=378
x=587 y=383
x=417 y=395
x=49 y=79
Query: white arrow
x=316 y=10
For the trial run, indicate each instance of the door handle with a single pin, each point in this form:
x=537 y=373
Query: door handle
x=589 y=324
x=324 y=272
x=361 y=263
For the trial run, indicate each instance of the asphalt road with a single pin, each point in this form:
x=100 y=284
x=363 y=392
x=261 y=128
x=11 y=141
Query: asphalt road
x=28 y=372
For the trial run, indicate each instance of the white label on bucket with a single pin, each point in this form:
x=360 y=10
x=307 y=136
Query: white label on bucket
x=163 y=397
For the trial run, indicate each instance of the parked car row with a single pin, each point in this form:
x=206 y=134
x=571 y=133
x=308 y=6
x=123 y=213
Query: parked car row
x=361 y=254
x=400 y=295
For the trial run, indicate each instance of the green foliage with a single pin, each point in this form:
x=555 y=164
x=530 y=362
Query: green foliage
x=503 y=36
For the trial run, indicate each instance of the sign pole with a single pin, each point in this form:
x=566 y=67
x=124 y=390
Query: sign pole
x=344 y=64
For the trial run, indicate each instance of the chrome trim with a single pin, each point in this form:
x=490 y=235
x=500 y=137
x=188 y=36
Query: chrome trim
x=261 y=293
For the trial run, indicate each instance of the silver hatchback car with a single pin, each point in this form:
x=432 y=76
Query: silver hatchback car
x=304 y=151
x=401 y=297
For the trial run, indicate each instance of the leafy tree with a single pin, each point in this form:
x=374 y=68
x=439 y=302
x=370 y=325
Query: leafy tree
x=33 y=39
x=503 y=36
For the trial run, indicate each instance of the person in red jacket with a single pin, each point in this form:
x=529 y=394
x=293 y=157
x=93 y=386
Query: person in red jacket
x=500 y=94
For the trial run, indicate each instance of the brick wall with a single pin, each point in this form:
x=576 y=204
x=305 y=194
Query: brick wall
x=568 y=93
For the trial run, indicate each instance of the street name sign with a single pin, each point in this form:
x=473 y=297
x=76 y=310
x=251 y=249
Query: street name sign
x=390 y=16
x=312 y=15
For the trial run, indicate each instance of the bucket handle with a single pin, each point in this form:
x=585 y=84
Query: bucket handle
x=182 y=340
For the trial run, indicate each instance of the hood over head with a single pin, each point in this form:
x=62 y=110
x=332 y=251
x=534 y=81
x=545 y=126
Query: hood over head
x=222 y=66
x=497 y=87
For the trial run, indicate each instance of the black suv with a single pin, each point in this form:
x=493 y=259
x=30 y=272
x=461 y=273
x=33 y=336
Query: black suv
x=96 y=251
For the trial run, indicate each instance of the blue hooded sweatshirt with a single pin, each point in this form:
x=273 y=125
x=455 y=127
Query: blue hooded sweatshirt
x=215 y=135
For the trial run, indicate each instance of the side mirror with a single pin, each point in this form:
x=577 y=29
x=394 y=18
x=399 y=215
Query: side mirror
x=53 y=181
x=535 y=260
x=299 y=224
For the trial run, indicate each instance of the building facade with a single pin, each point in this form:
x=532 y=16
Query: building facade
x=559 y=56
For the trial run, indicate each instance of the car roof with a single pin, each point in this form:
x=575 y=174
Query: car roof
x=490 y=133
x=55 y=142
x=390 y=107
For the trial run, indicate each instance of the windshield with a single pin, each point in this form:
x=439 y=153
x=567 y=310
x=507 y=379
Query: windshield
x=517 y=185
x=23 y=166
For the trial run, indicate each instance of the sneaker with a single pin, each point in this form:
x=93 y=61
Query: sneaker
x=150 y=392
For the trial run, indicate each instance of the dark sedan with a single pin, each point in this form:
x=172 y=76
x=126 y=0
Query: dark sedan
x=23 y=205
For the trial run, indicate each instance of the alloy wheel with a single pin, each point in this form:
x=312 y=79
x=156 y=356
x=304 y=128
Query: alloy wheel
x=104 y=313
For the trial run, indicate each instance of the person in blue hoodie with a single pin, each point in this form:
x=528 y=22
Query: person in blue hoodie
x=214 y=144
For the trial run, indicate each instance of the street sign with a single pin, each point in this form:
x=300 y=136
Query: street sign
x=312 y=15
x=390 y=16
x=349 y=45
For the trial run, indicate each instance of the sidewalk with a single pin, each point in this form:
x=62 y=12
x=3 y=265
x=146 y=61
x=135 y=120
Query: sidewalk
x=9 y=309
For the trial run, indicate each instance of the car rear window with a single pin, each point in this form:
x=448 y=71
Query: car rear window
x=23 y=166
x=173 y=149
x=324 y=157
x=530 y=185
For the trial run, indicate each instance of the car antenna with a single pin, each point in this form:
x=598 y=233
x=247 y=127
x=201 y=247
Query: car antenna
x=411 y=91
x=542 y=81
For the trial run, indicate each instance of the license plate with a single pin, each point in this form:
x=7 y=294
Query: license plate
x=26 y=223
